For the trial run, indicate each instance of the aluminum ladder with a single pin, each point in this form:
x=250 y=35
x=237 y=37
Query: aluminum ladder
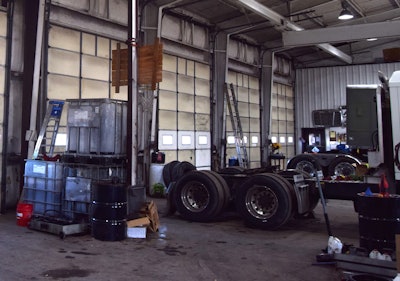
x=233 y=109
x=48 y=132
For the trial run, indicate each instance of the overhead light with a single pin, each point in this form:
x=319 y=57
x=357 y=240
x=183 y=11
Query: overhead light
x=372 y=39
x=345 y=14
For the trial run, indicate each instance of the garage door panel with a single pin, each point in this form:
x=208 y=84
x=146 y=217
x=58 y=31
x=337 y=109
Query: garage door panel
x=185 y=121
x=167 y=100
x=202 y=87
x=167 y=120
x=61 y=87
x=202 y=105
x=203 y=122
x=95 y=68
x=92 y=89
x=64 y=38
x=186 y=103
x=63 y=62
x=169 y=81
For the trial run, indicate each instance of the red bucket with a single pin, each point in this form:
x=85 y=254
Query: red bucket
x=24 y=214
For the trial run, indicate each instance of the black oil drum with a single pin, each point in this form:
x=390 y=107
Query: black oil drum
x=109 y=210
x=379 y=221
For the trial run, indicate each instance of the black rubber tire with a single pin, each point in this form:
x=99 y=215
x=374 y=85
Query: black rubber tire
x=233 y=170
x=290 y=188
x=180 y=169
x=167 y=172
x=342 y=164
x=259 y=190
x=224 y=186
x=198 y=196
x=305 y=163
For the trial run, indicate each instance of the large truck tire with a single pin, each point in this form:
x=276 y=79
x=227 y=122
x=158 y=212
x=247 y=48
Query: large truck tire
x=180 y=169
x=167 y=172
x=305 y=163
x=342 y=165
x=264 y=202
x=224 y=186
x=198 y=196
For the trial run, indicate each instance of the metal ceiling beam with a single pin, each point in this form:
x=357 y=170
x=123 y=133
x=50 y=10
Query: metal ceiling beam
x=285 y=24
x=341 y=34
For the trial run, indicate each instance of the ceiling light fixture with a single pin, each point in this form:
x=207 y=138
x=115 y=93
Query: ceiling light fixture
x=345 y=14
x=372 y=39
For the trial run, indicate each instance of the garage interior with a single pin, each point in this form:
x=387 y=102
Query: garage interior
x=256 y=130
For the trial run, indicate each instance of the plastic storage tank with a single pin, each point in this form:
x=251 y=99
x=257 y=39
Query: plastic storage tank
x=97 y=126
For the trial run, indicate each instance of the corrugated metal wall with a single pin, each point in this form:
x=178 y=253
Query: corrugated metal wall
x=325 y=87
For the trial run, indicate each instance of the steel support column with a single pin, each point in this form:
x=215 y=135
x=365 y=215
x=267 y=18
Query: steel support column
x=219 y=77
x=266 y=84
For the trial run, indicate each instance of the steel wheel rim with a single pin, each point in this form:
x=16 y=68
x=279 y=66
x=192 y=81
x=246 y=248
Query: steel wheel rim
x=344 y=169
x=261 y=202
x=195 y=196
x=306 y=166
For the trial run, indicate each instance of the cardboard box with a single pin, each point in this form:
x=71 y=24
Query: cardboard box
x=136 y=232
x=137 y=228
x=138 y=222
x=150 y=210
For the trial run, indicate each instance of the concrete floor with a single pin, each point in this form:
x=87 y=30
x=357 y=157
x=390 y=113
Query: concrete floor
x=180 y=250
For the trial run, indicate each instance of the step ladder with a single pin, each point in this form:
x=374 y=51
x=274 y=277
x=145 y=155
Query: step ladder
x=233 y=109
x=48 y=132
